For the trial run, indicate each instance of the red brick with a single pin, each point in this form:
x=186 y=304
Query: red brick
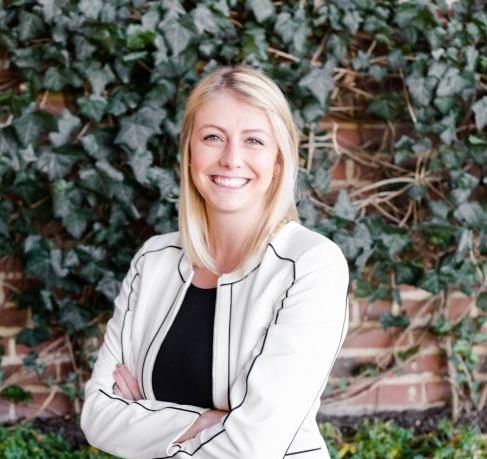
x=10 y=265
x=434 y=363
x=60 y=405
x=437 y=392
x=401 y=394
x=369 y=397
x=338 y=171
x=458 y=307
x=375 y=338
x=4 y=408
x=372 y=311
x=13 y=317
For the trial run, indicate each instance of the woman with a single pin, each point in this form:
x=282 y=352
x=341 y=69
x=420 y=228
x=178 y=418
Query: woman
x=224 y=333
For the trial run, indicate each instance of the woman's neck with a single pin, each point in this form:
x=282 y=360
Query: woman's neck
x=229 y=240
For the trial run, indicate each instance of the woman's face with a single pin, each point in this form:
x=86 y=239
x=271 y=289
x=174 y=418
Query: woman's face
x=233 y=155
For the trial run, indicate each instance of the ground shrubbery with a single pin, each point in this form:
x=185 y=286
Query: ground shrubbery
x=373 y=440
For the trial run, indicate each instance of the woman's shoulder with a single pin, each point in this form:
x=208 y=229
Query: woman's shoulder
x=160 y=242
x=294 y=240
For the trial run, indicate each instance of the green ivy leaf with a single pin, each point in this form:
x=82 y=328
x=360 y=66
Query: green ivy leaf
x=55 y=165
x=136 y=130
x=177 y=36
x=344 y=207
x=93 y=107
x=138 y=37
x=421 y=88
x=16 y=394
x=32 y=337
x=204 y=20
x=319 y=82
x=480 y=110
x=395 y=243
x=5 y=213
x=387 y=320
x=140 y=163
x=433 y=282
x=31 y=26
x=386 y=106
x=263 y=9
x=73 y=317
x=67 y=124
x=482 y=301
x=29 y=126
x=471 y=213
x=109 y=286
x=76 y=223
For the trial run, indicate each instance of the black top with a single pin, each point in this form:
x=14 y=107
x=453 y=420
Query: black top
x=183 y=368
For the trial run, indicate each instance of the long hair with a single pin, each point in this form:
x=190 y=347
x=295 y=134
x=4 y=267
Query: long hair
x=256 y=89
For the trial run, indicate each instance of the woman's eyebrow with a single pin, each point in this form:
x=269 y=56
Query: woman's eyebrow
x=246 y=131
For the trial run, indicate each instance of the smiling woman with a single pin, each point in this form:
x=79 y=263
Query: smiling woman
x=225 y=332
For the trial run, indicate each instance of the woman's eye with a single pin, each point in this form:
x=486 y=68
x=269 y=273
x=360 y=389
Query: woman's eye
x=255 y=141
x=211 y=137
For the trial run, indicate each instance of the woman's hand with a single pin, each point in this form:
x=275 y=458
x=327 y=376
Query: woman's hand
x=207 y=419
x=126 y=385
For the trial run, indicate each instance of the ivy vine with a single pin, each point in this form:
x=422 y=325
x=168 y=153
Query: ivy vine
x=91 y=100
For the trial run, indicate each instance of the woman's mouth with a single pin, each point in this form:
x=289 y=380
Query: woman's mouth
x=229 y=182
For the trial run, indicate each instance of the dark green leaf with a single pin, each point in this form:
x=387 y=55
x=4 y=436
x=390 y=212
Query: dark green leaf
x=67 y=125
x=31 y=26
x=138 y=37
x=109 y=286
x=387 y=320
x=55 y=165
x=318 y=82
x=177 y=37
x=16 y=394
x=471 y=213
x=386 y=107
x=421 y=88
x=263 y=9
x=140 y=163
x=93 y=107
x=482 y=301
x=32 y=337
x=344 y=207
x=480 y=110
x=136 y=130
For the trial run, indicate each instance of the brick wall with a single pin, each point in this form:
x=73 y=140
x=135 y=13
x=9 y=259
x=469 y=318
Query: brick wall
x=419 y=383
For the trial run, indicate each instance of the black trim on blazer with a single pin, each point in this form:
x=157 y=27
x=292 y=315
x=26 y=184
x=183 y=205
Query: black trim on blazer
x=179 y=268
x=243 y=278
x=323 y=385
x=247 y=378
x=197 y=449
x=300 y=452
x=228 y=355
x=292 y=283
x=157 y=332
x=132 y=289
x=149 y=409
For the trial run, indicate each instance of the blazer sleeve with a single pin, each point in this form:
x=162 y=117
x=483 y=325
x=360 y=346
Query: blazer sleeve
x=290 y=366
x=130 y=429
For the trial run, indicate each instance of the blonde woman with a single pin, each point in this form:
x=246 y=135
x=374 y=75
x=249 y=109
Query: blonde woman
x=225 y=332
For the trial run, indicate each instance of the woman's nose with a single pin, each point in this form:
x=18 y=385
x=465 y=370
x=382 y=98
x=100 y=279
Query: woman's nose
x=231 y=156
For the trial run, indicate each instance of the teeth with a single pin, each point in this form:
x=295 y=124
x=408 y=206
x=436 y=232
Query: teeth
x=230 y=182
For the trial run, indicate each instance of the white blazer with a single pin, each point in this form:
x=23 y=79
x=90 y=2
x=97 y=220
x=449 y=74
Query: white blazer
x=279 y=325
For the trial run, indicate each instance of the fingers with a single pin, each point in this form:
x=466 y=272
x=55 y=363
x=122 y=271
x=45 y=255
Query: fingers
x=126 y=384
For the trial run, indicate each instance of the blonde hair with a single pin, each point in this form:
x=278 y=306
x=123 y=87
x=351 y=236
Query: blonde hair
x=254 y=88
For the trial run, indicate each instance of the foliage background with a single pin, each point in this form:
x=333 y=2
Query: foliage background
x=81 y=188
